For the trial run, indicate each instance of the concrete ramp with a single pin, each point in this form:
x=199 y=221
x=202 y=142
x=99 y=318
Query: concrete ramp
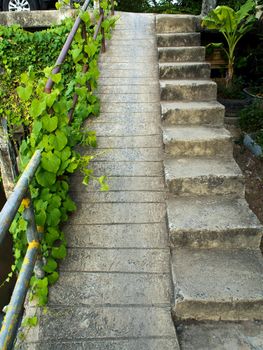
x=114 y=291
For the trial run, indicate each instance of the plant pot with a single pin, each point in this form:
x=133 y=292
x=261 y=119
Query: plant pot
x=252 y=145
x=233 y=107
x=217 y=58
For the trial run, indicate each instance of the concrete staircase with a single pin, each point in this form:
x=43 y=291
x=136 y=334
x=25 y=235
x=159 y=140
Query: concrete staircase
x=216 y=262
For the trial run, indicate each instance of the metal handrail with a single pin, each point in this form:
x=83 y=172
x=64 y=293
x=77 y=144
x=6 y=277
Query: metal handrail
x=22 y=193
x=71 y=35
x=6 y=217
x=66 y=47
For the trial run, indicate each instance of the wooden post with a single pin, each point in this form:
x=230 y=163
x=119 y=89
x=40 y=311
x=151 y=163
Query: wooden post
x=103 y=47
x=8 y=163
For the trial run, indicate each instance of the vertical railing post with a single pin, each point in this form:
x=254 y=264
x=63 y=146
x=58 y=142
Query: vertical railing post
x=102 y=29
x=84 y=70
x=112 y=8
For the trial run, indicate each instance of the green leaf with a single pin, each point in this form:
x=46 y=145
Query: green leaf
x=52 y=279
x=76 y=54
x=64 y=186
x=103 y=184
x=45 y=178
x=56 y=77
x=53 y=216
x=58 y=5
x=50 y=123
x=25 y=92
x=91 y=48
x=51 y=236
x=35 y=134
x=37 y=126
x=65 y=154
x=40 y=289
x=51 y=98
x=55 y=201
x=45 y=194
x=72 y=166
x=41 y=218
x=44 y=143
x=59 y=252
x=69 y=204
x=50 y=266
x=246 y=9
x=85 y=17
x=91 y=139
x=50 y=162
x=60 y=140
x=30 y=321
x=37 y=108
x=81 y=91
x=40 y=204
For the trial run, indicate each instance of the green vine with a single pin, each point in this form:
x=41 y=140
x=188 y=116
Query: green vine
x=46 y=118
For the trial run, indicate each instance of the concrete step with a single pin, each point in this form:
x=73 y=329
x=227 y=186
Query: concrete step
x=188 y=90
x=145 y=343
x=236 y=225
x=176 y=23
x=220 y=335
x=184 y=70
x=197 y=141
x=181 y=54
x=203 y=176
x=178 y=39
x=102 y=327
x=217 y=284
x=84 y=288
x=193 y=113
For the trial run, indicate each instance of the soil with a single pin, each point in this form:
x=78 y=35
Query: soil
x=252 y=168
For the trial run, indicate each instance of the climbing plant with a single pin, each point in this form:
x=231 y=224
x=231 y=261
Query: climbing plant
x=46 y=119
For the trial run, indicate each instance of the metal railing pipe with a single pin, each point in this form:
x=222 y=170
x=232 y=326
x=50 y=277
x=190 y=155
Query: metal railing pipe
x=18 y=297
x=66 y=47
x=11 y=206
x=98 y=27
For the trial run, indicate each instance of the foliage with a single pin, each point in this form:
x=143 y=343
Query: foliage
x=251 y=120
x=254 y=63
x=232 y=91
x=259 y=138
x=20 y=49
x=234 y=4
x=46 y=118
x=161 y=6
x=132 y=6
x=251 y=117
x=233 y=25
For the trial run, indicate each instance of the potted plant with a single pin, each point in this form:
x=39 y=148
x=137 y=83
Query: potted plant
x=216 y=56
x=233 y=25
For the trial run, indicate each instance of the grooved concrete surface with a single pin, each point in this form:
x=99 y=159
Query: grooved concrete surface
x=114 y=290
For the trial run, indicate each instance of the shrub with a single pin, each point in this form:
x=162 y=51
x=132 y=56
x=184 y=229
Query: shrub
x=251 y=117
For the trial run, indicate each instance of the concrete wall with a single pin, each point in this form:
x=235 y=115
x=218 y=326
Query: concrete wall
x=35 y=18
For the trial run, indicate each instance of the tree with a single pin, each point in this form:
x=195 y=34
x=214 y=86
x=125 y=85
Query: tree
x=133 y=6
x=207 y=6
x=233 y=25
